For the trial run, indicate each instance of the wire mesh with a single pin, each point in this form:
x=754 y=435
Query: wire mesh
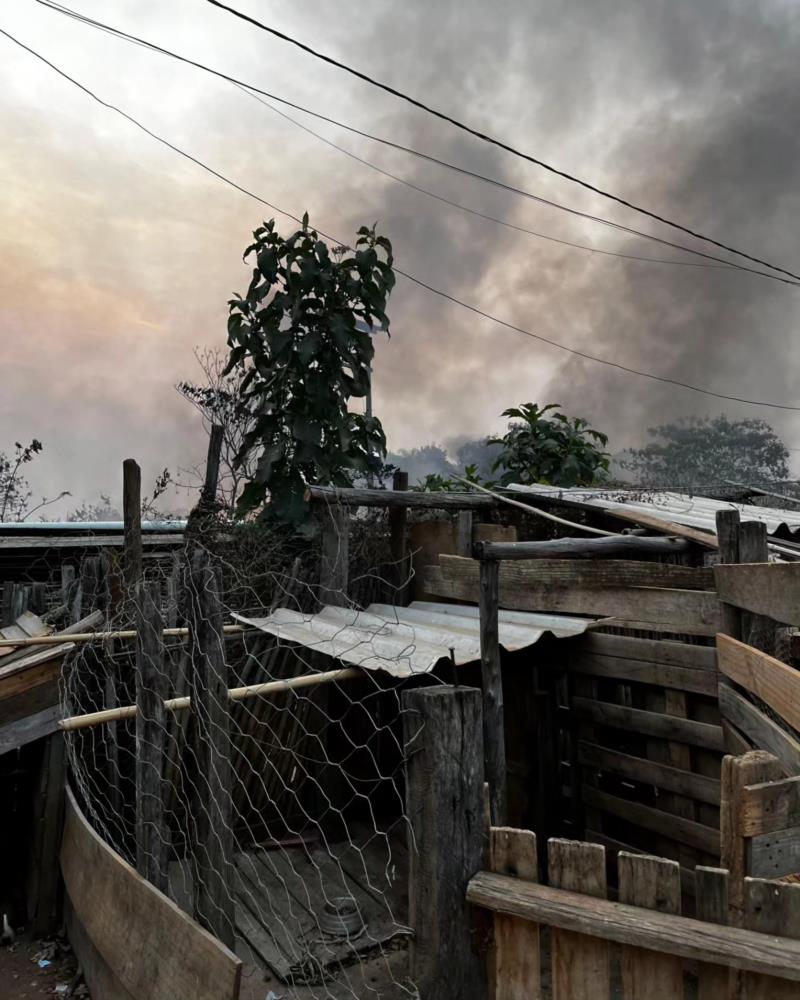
x=277 y=819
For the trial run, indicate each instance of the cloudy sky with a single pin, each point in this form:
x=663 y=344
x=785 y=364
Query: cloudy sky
x=118 y=256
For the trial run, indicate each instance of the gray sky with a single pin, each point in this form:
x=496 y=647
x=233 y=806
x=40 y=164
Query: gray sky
x=118 y=256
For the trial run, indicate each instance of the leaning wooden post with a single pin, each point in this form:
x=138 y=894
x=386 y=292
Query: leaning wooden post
x=757 y=630
x=443 y=737
x=150 y=732
x=335 y=556
x=209 y=494
x=492 y=680
x=132 y=521
x=728 y=541
x=212 y=748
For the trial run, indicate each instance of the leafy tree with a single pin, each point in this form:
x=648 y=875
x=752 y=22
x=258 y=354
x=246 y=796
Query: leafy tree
x=556 y=449
x=294 y=333
x=697 y=451
x=101 y=510
x=15 y=492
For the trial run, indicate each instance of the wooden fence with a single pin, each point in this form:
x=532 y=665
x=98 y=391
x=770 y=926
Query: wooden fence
x=635 y=947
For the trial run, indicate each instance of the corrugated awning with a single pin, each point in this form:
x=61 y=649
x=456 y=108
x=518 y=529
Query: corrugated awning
x=412 y=640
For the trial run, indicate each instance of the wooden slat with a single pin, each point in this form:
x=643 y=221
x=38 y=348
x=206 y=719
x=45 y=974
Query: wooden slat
x=515 y=959
x=645 y=672
x=662 y=651
x=695 y=786
x=770 y=680
x=521 y=589
x=684 y=936
x=153 y=948
x=769 y=806
x=701 y=734
x=685 y=831
x=711 y=906
x=653 y=884
x=580 y=963
x=771 y=908
x=763 y=731
x=665 y=526
x=770 y=589
x=615 y=846
x=774 y=855
x=32 y=727
x=609 y=573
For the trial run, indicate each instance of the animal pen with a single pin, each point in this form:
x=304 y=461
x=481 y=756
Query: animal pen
x=568 y=768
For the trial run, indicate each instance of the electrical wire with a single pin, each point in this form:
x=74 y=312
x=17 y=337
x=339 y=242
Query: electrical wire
x=117 y=32
x=410 y=277
x=492 y=140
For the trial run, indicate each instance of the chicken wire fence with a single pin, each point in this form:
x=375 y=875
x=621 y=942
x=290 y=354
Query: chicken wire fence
x=273 y=808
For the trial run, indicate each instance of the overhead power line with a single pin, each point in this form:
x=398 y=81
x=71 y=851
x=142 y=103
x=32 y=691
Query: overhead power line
x=492 y=140
x=410 y=277
x=118 y=33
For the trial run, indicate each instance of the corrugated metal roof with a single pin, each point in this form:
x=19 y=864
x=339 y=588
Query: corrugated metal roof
x=691 y=511
x=412 y=640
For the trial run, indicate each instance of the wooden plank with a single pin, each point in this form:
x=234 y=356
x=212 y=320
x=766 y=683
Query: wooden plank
x=728 y=539
x=464 y=533
x=737 y=772
x=213 y=814
x=415 y=499
x=615 y=846
x=648 y=772
x=771 y=908
x=132 y=520
x=398 y=540
x=646 y=672
x=771 y=589
x=151 y=690
x=774 y=855
x=520 y=589
x=684 y=831
x=701 y=734
x=763 y=731
x=686 y=937
x=153 y=949
x=615 y=547
x=662 y=651
x=443 y=736
x=515 y=967
x=608 y=572
x=97 y=972
x=666 y=527
x=759 y=631
x=711 y=906
x=48 y=822
x=494 y=740
x=580 y=962
x=20 y=733
x=769 y=806
x=735 y=742
x=773 y=682
x=653 y=884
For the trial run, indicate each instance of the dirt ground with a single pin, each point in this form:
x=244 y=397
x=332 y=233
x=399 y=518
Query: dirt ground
x=21 y=978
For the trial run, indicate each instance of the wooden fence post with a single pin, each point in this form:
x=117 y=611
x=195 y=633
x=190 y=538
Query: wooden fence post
x=492 y=681
x=757 y=630
x=150 y=732
x=464 y=533
x=212 y=747
x=398 y=540
x=444 y=791
x=132 y=521
x=515 y=963
x=333 y=577
x=728 y=539
x=750 y=769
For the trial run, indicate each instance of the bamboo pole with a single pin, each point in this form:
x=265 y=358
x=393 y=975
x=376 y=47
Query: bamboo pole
x=131 y=633
x=234 y=694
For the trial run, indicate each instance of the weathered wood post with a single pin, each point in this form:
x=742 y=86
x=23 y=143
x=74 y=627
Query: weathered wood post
x=150 y=732
x=444 y=800
x=464 y=533
x=728 y=541
x=213 y=818
x=494 y=740
x=398 y=539
x=757 y=630
x=335 y=556
x=132 y=522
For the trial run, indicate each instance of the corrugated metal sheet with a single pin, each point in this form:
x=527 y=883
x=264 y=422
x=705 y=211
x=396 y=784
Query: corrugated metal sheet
x=692 y=511
x=412 y=640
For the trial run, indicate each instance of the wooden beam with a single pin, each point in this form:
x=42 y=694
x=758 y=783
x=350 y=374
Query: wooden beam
x=758 y=727
x=21 y=732
x=132 y=519
x=685 y=831
x=769 y=679
x=646 y=672
x=666 y=651
x=151 y=683
x=520 y=588
x=613 y=573
x=663 y=525
x=151 y=947
x=353 y=497
x=494 y=740
x=771 y=589
x=624 y=924
x=464 y=533
x=728 y=539
x=398 y=539
x=769 y=806
x=614 y=547
x=668 y=727
x=443 y=735
x=648 y=772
